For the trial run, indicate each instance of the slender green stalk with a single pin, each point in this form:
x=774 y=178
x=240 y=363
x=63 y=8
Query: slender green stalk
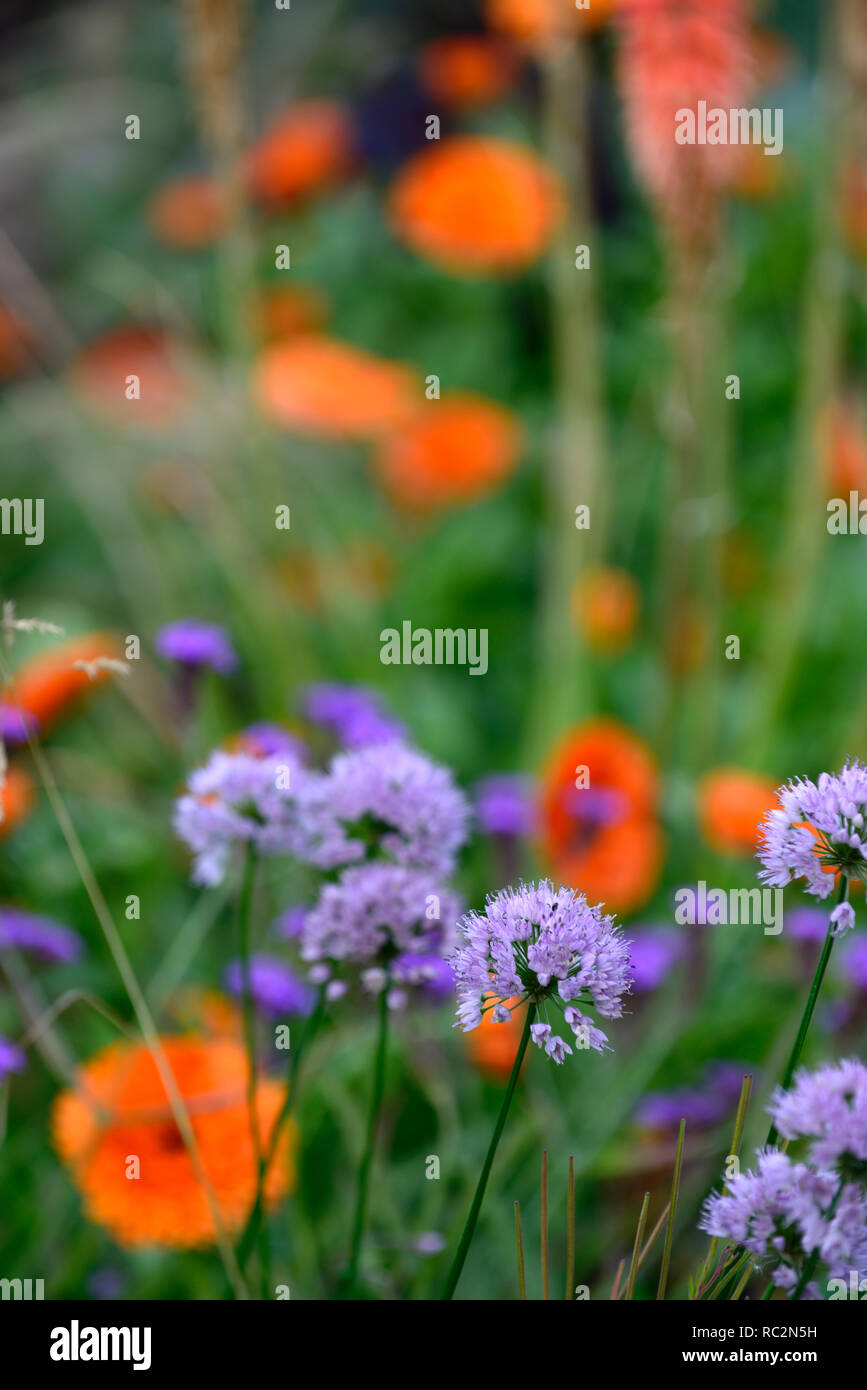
x=457 y=1265
x=367 y=1156
x=570 y=1230
x=669 y=1231
x=251 y=1229
x=633 y=1266
x=522 y=1278
x=810 y=1005
x=545 y=1280
x=734 y=1150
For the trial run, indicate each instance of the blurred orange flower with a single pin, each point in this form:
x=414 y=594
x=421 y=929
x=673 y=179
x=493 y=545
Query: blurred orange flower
x=16 y=344
x=166 y=388
x=165 y=1204
x=17 y=795
x=46 y=685
x=732 y=804
x=474 y=204
x=187 y=213
x=599 y=830
x=492 y=1047
x=605 y=604
x=843 y=445
x=450 y=451
x=467 y=71
x=317 y=385
x=307 y=147
x=532 y=20
x=283 y=311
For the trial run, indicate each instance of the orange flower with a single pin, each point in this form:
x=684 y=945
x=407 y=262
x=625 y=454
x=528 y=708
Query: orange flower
x=187 y=213
x=47 y=684
x=843 y=444
x=600 y=835
x=306 y=148
x=450 y=451
x=732 y=805
x=467 y=71
x=493 y=1046
x=17 y=795
x=473 y=204
x=166 y=388
x=285 y=311
x=205 y=1011
x=534 y=20
x=605 y=605
x=317 y=385
x=165 y=1204
x=16 y=344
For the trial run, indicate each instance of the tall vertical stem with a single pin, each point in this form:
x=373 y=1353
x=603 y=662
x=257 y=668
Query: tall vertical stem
x=367 y=1155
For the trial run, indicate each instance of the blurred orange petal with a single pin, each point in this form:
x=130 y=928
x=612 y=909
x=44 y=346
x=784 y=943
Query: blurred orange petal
x=534 y=20
x=17 y=795
x=166 y=390
x=605 y=604
x=47 y=684
x=472 y=204
x=283 y=311
x=319 y=386
x=451 y=451
x=306 y=148
x=732 y=804
x=467 y=71
x=187 y=213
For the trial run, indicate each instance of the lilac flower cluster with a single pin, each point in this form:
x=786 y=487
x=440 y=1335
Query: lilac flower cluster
x=353 y=715
x=275 y=989
x=790 y=1213
x=818 y=830
x=238 y=799
x=377 y=911
x=548 y=946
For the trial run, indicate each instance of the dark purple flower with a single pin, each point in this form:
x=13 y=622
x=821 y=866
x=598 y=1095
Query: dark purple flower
x=713 y=1101
x=654 y=951
x=14 y=726
x=807 y=924
x=433 y=974
x=275 y=989
x=290 y=924
x=39 y=936
x=596 y=805
x=505 y=806
x=12 y=1059
x=352 y=714
x=194 y=644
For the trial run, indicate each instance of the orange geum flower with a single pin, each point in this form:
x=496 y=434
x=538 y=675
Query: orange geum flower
x=605 y=605
x=319 y=386
x=492 y=1046
x=532 y=21
x=598 y=814
x=467 y=70
x=732 y=806
x=17 y=795
x=121 y=1111
x=46 y=685
x=472 y=204
x=450 y=451
x=187 y=213
x=306 y=148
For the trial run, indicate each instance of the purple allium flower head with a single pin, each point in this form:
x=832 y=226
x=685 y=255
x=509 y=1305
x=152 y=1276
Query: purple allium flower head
x=192 y=643
x=828 y=1107
x=239 y=799
x=547 y=945
x=431 y=973
x=38 y=936
x=14 y=725
x=654 y=951
x=376 y=910
x=12 y=1059
x=386 y=799
x=266 y=740
x=352 y=714
x=819 y=829
x=505 y=805
x=274 y=988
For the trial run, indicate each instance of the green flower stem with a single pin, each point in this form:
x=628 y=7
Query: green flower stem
x=251 y=1229
x=367 y=1156
x=245 y=899
x=454 y=1273
x=812 y=997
